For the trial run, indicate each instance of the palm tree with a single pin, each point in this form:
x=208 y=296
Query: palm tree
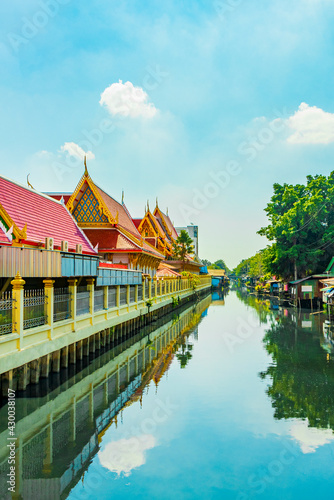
x=183 y=246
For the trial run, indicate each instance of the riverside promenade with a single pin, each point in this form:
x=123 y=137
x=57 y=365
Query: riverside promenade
x=49 y=330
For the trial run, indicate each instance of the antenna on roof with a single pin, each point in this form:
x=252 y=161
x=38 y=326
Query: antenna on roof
x=123 y=197
x=32 y=187
x=85 y=163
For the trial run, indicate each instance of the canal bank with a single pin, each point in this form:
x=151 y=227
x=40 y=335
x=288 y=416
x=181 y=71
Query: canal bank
x=240 y=407
x=28 y=354
x=59 y=428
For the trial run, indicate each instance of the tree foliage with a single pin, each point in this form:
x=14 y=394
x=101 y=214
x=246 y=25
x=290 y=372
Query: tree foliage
x=301 y=227
x=183 y=246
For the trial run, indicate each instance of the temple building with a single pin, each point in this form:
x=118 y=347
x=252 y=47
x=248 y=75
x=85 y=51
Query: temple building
x=29 y=219
x=110 y=228
x=158 y=230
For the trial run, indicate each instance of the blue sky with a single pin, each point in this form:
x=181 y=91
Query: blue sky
x=210 y=83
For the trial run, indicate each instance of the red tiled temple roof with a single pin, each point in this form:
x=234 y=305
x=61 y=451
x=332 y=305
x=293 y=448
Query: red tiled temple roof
x=59 y=196
x=43 y=215
x=110 y=240
x=124 y=219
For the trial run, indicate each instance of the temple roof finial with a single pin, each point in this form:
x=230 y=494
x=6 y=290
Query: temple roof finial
x=123 y=197
x=167 y=211
x=85 y=163
x=156 y=202
x=148 y=206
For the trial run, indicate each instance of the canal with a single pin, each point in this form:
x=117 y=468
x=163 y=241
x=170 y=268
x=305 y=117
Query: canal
x=228 y=398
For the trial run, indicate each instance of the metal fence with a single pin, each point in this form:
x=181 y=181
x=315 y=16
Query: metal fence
x=111 y=296
x=98 y=299
x=122 y=297
x=132 y=293
x=61 y=304
x=82 y=301
x=6 y=305
x=34 y=308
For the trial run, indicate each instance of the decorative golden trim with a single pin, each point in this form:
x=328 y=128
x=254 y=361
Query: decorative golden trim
x=87 y=178
x=20 y=234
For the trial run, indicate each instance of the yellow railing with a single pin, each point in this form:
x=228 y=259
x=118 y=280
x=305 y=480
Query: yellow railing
x=24 y=345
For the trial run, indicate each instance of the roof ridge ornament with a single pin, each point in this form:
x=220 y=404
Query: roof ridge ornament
x=30 y=185
x=85 y=164
x=123 y=197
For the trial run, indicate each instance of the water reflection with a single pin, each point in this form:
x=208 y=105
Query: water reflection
x=60 y=433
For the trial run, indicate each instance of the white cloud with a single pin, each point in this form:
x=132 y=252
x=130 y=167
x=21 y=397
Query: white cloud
x=76 y=151
x=126 y=100
x=310 y=438
x=126 y=454
x=311 y=125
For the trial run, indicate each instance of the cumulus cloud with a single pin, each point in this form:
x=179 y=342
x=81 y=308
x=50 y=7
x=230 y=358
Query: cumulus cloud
x=311 y=125
x=126 y=100
x=126 y=454
x=76 y=151
x=310 y=438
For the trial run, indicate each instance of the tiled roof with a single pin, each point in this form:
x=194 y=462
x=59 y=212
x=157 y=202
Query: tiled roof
x=136 y=222
x=124 y=219
x=44 y=216
x=167 y=271
x=166 y=220
x=111 y=240
x=59 y=196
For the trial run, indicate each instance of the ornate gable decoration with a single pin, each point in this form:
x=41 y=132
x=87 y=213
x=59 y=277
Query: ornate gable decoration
x=9 y=225
x=87 y=206
x=87 y=210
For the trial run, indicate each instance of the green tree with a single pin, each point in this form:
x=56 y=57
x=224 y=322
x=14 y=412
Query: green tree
x=183 y=246
x=301 y=226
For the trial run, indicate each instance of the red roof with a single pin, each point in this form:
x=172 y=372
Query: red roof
x=44 y=216
x=167 y=271
x=137 y=222
x=165 y=221
x=59 y=196
x=110 y=265
x=124 y=218
x=110 y=240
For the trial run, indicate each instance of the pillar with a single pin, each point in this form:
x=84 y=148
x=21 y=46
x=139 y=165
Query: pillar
x=90 y=289
x=18 y=302
x=79 y=350
x=118 y=295
x=49 y=305
x=73 y=354
x=7 y=382
x=72 y=288
x=85 y=347
x=35 y=368
x=23 y=378
x=92 y=343
x=64 y=357
x=56 y=361
x=45 y=365
x=144 y=286
x=149 y=288
x=105 y=297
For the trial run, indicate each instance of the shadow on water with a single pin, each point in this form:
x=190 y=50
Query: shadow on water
x=59 y=423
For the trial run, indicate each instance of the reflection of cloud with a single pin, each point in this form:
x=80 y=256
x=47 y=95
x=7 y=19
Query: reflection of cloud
x=309 y=438
x=126 y=454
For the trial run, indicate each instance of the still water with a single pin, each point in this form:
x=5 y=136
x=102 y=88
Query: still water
x=230 y=399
